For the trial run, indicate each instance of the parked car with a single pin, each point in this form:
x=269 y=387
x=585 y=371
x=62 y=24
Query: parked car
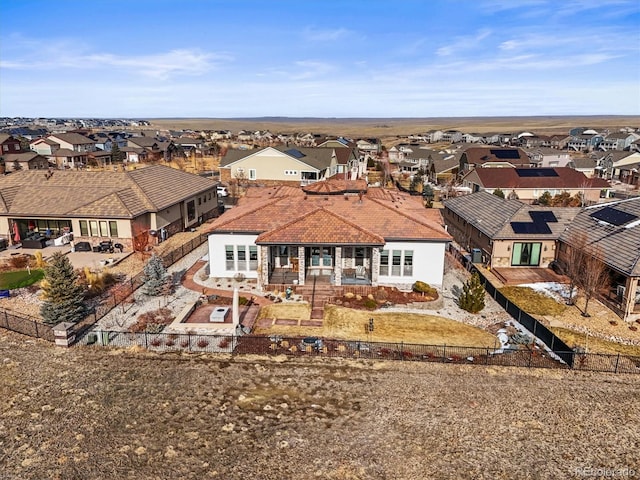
x=222 y=191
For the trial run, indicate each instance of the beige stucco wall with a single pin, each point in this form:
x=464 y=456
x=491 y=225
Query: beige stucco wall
x=502 y=250
x=270 y=164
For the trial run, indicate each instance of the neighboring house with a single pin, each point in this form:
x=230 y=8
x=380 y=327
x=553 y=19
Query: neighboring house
x=528 y=184
x=288 y=165
x=586 y=141
x=442 y=169
x=155 y=150
x=190 y=146
x=618 y=141
x=64 y=158
x=369 y=145
x=629 y=174
x=97 y=206
x=509 y=233
x=26 y=161
x=9 y=144
x=280 y=235
x=529 y=140
x=134 y=154
x=73 y=141
x=489 y=156
x=102 y=141
x=221 y=135
x=550 y=158
x=44 y=146
x=621 y=163
x=451 y=136
x=612 y=232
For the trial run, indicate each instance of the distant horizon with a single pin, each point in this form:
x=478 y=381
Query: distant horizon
x=280 y=117
x=320 y=59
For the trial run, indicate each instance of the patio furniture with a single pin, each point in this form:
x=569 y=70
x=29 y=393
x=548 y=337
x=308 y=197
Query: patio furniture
x=361 y=272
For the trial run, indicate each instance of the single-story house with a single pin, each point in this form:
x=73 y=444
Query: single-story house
x=509 y=233
x=280 y=235
x=289 y=165
x=489 y=156
x=529 y=184
x=97 y=206
x=612 y=232
x=25 y=161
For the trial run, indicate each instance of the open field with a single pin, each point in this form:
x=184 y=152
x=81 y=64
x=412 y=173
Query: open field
x=89 y=413
x=385 y=127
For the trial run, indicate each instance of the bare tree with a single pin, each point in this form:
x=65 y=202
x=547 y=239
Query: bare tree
x=594 y=275
x=585 y=269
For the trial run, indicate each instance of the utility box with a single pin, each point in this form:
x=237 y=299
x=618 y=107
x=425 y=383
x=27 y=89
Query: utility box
x=476 y=255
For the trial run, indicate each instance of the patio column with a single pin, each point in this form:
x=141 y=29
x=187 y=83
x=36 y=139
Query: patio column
x=375 y=265
x=338 y=267
x=301 y=266
x=263 y=266
x=629 y=301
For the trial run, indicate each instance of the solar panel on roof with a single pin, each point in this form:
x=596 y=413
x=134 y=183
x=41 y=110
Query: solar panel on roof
x=294 y=153
x=545 y=216
x=505 y=154
x=536 y=172
x=613 y=216
x=530 y=227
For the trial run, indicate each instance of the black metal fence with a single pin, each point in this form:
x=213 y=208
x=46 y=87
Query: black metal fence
x=525 y=356
x=537 y=329
x=118 y=296
x=25 y=325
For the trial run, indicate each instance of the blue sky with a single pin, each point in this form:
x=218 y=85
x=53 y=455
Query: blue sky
x=319 y=58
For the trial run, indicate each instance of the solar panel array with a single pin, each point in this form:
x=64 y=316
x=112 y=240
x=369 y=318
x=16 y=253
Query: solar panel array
x=613 y=216
x=295 y=153
x=505 y=154
x=545 y=216
x=538 y=225
x=530 y=227
x=536 y=172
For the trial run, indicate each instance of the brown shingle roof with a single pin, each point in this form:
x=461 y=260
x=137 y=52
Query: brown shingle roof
x=72 y=138
x=100 y=194
x=508 y=178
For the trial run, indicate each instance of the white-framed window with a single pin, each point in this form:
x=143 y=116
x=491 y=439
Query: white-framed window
x=252 y=174
x=229 y=257
x=396 y=263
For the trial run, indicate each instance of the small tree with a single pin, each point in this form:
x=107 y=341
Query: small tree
x=472 y=296
x=155 y=276
x=498 y=193
x=62 y=293
x=513 y=195
x=545 y=199
x=17 y=166
x=117 y=155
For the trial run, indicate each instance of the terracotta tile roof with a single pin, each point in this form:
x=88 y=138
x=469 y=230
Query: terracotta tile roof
x=320 y=227
x=381 y=215
x=100 y=194
x=336 y=185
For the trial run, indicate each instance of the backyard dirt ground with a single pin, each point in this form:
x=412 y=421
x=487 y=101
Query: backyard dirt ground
x=87 y=413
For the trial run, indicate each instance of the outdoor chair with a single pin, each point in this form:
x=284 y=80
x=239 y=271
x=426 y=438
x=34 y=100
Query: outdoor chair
x=361 y=271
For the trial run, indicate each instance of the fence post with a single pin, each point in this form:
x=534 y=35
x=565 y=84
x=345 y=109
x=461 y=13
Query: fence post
x=402 y=351
x=6 y=320
x=530 y=357
x=486 y=359
x=189 y=338
x=444 y=353
x=146 y=340
x=617 y=361
x=38 y=335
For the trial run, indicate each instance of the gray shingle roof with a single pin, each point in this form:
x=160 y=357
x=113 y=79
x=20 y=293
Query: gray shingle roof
x=619 y=246
x=493 y=215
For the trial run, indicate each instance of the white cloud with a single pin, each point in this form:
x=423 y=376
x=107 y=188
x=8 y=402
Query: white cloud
x=307 y=69
x=64 y=54
x=317 y=35
x=463 y=43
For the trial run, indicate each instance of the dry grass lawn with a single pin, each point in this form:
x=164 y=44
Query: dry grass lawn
x=96 y=413
x=593 y=344
x=533 y=302
x=349 y=324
